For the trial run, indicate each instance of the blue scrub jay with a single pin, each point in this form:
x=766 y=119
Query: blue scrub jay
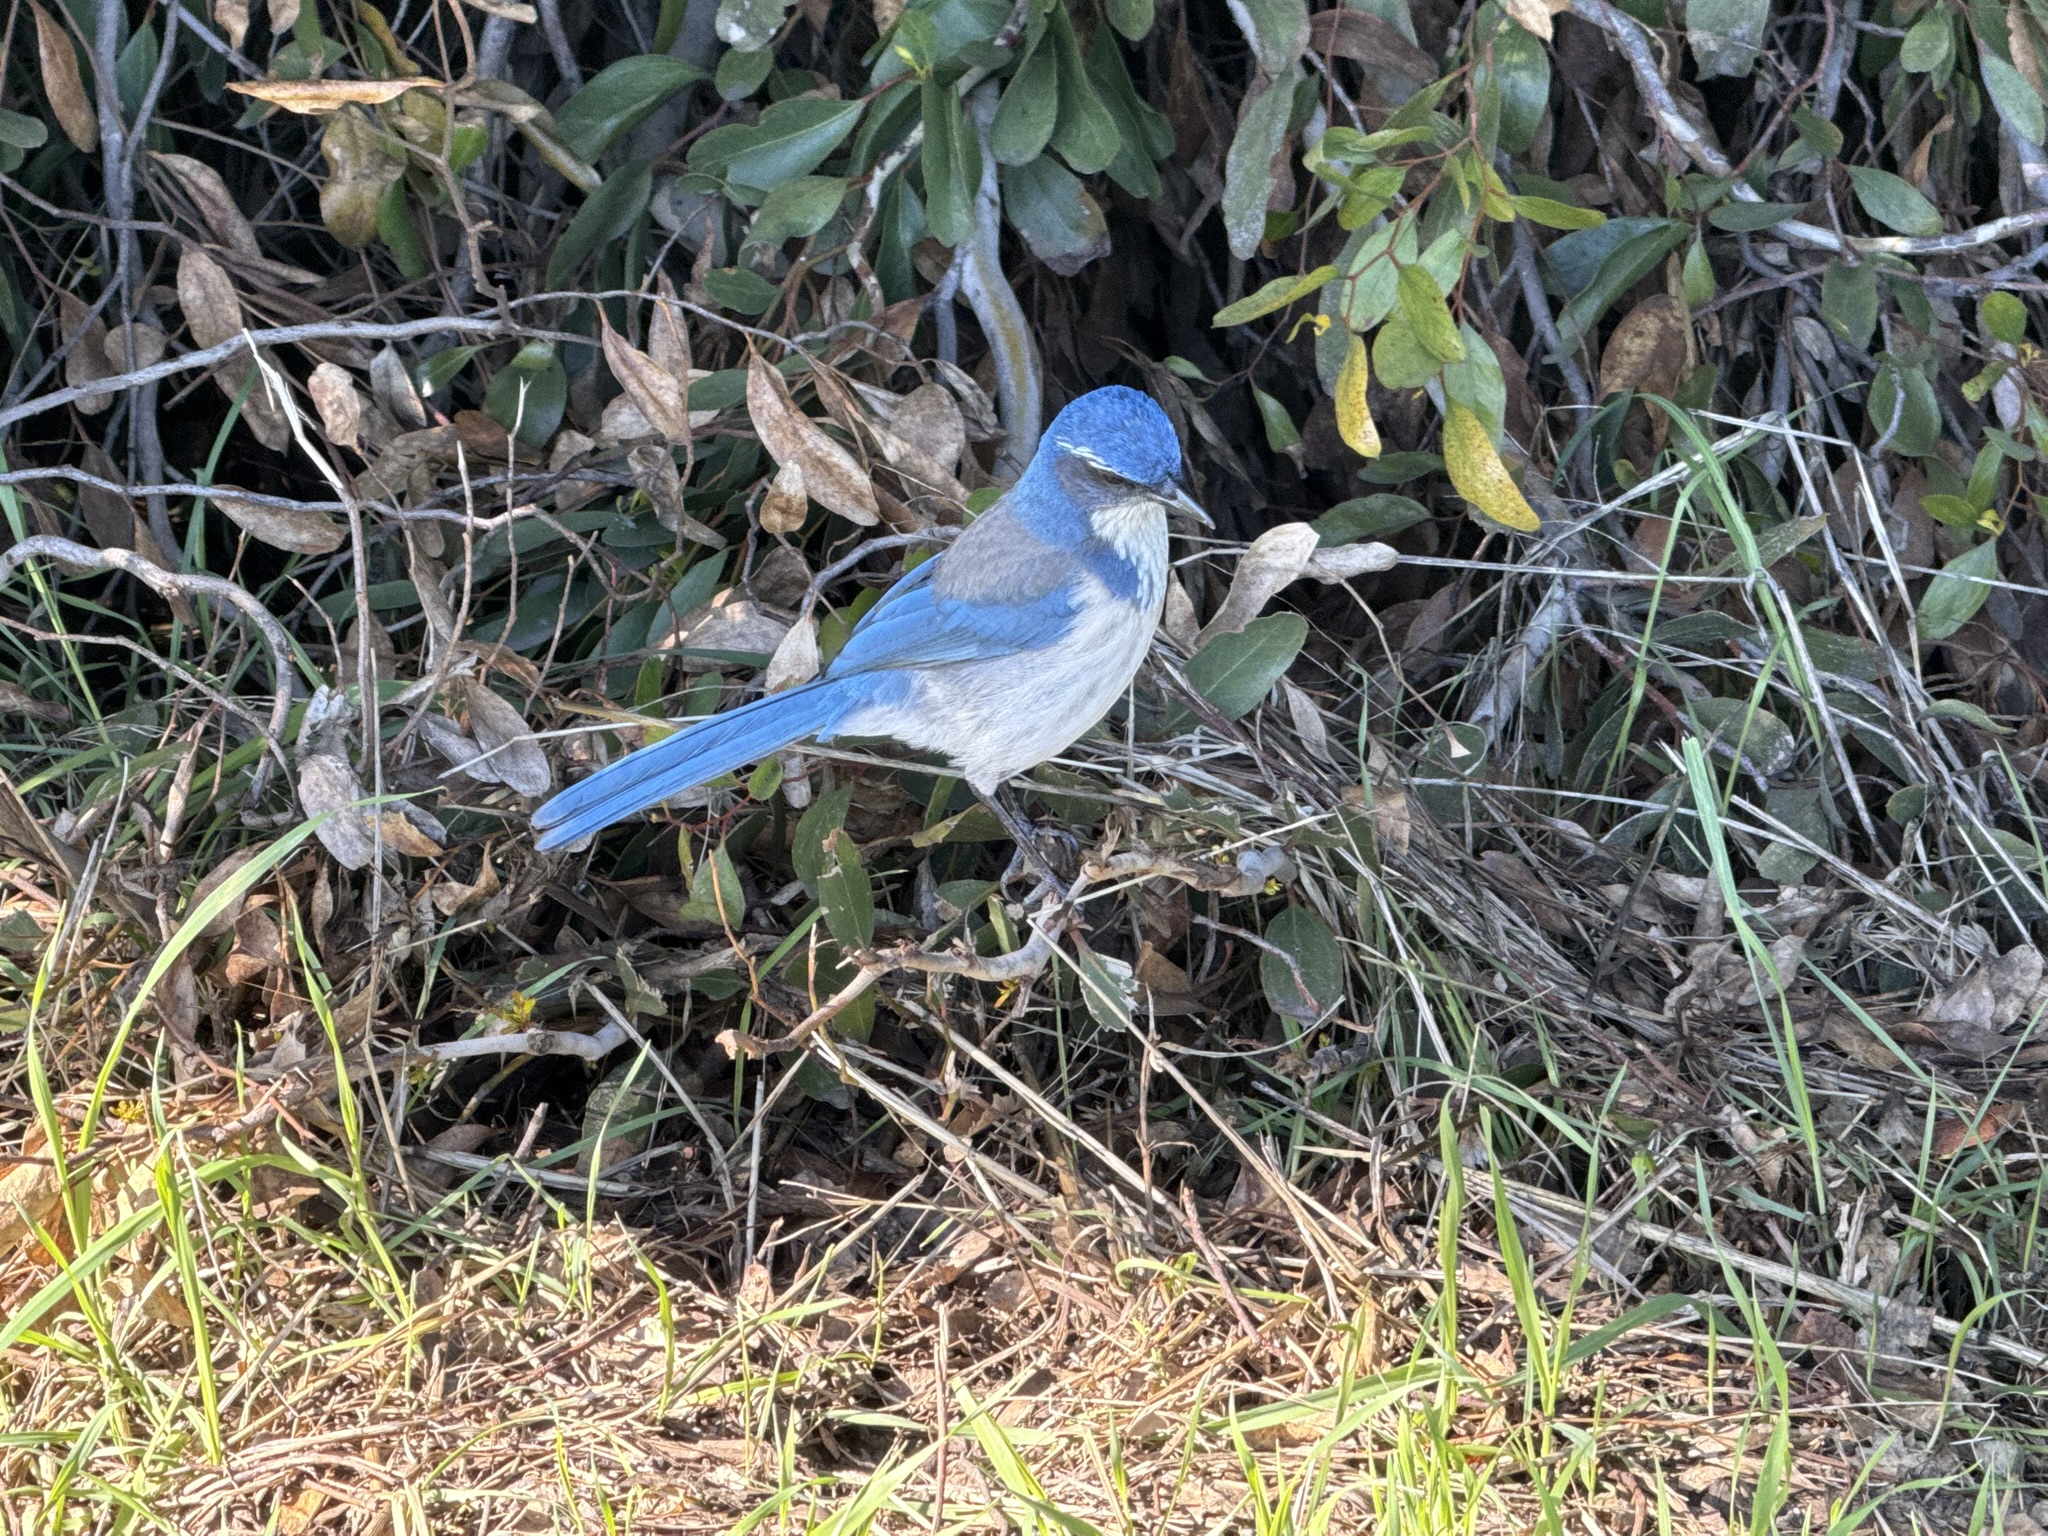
x=997 y=653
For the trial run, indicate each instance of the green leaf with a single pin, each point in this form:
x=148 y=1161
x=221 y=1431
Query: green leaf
x=1726 y=34
x=1142 y=132
x=395 y=229
x=1784 y=862
x=1817 y=133
x=1280 y=430
x=1085 y=133
x=797 y=209
x=20 y=131
x=2016 y=99
x=1968 y=713
x=1551 y=214
x=618 y=98
x=1848 y=301
x=1367 y=517
x=1901 y=391
x=716 y=895
x=136 y=66
x=1399 y=359
x=824 y=817
x=1234 y=672
x=916 y=41
x=1248 y=167
x=1306 y=939
x=791 y=139
x=1893 y=202
x=2004 y=316
x=952 y=166
x=440 y=370
x=1133 y=18
x=1030 y=107
x=742 y=72
x=1061 y=223
x=1423 y=306
x=1276 y=29
x=1520 y=68
x=845 y=892
x=1697 y=275
x=1953 y=511
x=1400 y=468
x=1765 y=740
x=1958 y=591
x=1102 y=989
x=1929 y=44
x=1746 y=218
x=750 y=24
x=605 y=216
x=1277 y=294
x=742 y=292
x=1626 y=265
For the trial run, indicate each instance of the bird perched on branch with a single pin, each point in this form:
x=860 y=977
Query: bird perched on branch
x=997 y=653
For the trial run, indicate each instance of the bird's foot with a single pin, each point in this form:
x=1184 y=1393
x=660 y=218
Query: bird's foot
x=1052 y=857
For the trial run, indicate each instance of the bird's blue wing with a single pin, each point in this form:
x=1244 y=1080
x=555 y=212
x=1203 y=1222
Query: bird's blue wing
x=997 y=590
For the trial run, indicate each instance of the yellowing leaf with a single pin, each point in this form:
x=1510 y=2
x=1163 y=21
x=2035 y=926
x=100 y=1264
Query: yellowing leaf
x=1277 y=294
x=1354 y=415
x=1481 y=478
x=314 y=97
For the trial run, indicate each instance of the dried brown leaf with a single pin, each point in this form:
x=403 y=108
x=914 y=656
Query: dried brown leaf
x=17 y=702
x=1646 y=353
x=362 y=161
x=314 y=97
x=233 y=17
x=510 y=754
x=149 y=343
x=86 y=363
x=451 y=896
x=833 y=476
x=1395 y=67
x=795 y=660
x=668 y=336
x=929 y=419
x=302 y=530
x=392 y=388
x=1349 y=560
x=410 y=831
x=1179 y=620
x=724 y=632
x=787 y=503
x=1953 y=1135
x=109 y=515
x=213 y=310
x=341 y=408
x=328 y=787
x=658 y=395
x=63 y=88
x=1276 y=558
x=223 y=216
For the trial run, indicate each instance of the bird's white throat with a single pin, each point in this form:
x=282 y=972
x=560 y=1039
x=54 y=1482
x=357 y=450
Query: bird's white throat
x=1135 y=529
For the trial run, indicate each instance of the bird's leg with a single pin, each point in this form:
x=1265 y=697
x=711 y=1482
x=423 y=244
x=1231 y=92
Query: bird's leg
x=1026 y=836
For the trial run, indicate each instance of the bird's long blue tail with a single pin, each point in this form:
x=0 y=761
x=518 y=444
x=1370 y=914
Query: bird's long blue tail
x=688 y=758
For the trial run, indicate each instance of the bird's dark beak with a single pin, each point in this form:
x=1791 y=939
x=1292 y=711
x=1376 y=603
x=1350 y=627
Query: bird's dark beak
x=1178 y=500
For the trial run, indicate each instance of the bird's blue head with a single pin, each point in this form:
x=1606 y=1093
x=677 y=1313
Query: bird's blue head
x=1114 y=448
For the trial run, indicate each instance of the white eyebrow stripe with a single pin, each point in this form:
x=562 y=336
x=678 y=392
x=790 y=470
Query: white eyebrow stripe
x=1087 y=456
